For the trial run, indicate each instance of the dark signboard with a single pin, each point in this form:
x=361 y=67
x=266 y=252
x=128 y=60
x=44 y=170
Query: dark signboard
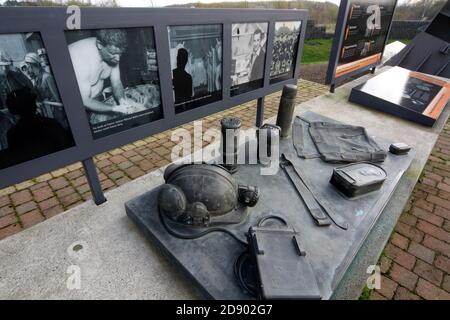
x=361 y=34
x=409 y=94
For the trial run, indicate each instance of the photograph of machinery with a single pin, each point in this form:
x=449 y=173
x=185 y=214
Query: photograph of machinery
x=284 y=51
x=117 y=74
x=196 y=64
x=33 y=121
x=248 y=54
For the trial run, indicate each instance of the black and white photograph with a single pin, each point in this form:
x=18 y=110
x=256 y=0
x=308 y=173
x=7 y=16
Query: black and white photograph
x=196 y=64
x=33 y=121
x=248 y=54
x=117 y=75
x=284 y=53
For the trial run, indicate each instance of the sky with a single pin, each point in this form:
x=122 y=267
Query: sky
x=162 y=3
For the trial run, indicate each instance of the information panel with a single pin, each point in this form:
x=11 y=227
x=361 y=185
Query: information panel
x=117 y=74
x=196 y=64
x=284 y=52
x=412 y=95
x=33 y=120
x=248 y=54
x=361 y=36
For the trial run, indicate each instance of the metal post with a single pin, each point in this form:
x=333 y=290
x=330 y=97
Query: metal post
x=260 y=112
x=332 y=87
x=94 y=181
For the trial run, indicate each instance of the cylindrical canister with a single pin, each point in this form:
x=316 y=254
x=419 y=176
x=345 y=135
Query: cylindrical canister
x=268 y=137
x=230 y=128
x=286 y=109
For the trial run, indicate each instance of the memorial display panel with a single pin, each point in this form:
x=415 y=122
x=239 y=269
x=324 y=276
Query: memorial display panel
x=361 y=34
x=248 y=54
x=285 y=48
x=117 y=74
x=365 y=35
x=33 y=121
x=411 y=95
x=196 y=64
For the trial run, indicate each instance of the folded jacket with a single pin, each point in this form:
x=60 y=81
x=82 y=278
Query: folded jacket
x=341 y=143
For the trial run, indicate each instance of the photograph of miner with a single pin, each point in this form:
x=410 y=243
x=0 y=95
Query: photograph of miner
x=33 y=121
x=196 y=64
x=248 y=54
x=117 y=75
x=284 y=53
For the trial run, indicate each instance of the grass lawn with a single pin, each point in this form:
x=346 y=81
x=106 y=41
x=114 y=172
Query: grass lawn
x=405 y=41
x=318 y=51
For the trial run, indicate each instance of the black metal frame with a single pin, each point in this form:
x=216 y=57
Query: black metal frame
x=51 y=24
x=337 y=45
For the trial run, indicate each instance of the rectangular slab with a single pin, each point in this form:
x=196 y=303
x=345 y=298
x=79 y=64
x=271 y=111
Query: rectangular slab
x=209 y=261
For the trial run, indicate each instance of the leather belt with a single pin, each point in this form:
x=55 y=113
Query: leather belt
x=316 y=205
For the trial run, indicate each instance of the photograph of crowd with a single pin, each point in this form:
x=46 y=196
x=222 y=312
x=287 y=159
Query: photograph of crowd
x=196 y=64
x=117 y=75
x=248 y=54
x=33 y=121
x=284 y=53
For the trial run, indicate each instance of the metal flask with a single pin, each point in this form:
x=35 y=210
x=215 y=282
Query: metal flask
x=203 y=195
x=286 y=109
x=268 y=137
x=229 y=143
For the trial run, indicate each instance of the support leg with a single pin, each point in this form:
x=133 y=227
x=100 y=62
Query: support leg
x=94 y=181
x=372 y=71
x=332 y=87
x=260 y=112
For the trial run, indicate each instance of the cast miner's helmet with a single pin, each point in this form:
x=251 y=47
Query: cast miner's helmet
x=203 y=195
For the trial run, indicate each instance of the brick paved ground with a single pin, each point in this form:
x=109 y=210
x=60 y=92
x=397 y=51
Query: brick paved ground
x=415 y=263
x=33 y=201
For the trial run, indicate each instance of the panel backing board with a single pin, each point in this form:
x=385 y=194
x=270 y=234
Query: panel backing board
x=209 y=261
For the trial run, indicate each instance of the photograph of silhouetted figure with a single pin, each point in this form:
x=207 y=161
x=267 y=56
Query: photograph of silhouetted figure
x=196 y=63
x=33 y=135
x=182 y=81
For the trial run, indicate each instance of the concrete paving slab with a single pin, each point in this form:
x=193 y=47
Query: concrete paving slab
x=115 y=261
